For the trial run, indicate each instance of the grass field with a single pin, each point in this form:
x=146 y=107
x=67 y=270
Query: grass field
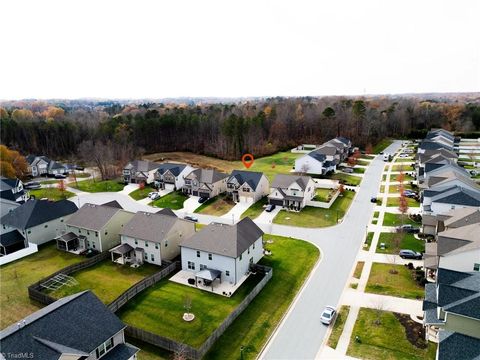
x=106 y=279
x=18 y=275
x=382 y=336
x=358 y=269
x=51 y=194
x=359 y=170
x=256 y=209
x=402 y=167
x=347 y=179
x=406 y=177
x=49 y=182
x=391 y=219
x=323 y=195
x=140 y=194
x=368 y=241
x=218 y=206
x=174 y=201
x=395 y=201
x=98 y=186
x=382 y=145
x=392 y=189
x=338 y=326
x=407 y=241
x=317 y=217
x=382 y=281
x=404 y=160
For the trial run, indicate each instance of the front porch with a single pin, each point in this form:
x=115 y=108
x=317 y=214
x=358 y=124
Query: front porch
x=72 y=243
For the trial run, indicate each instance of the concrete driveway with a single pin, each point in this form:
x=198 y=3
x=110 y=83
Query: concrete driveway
x=235 y=212
x=129 y=188
x=267 y=217
x=190 y=205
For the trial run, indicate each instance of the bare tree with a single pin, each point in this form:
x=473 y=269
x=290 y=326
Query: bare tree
x=100 y=154
x=378 y=307
x=304 y=169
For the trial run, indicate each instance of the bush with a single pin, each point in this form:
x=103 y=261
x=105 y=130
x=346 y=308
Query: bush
x=410 y=266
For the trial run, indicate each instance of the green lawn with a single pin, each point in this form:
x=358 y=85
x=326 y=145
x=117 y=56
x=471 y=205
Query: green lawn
x=406 y=177
x=218 y=206
x=382 y=281
x=392 y=189
x=80 y=175
x=98 y=186
x=358 y=269
x=384 y=177
x=338 y=326
x=49 y=182
x=106 y=279
x=382 y=145
x=311 y=216
x=395 y=201
x=18 y=275
x=323 y=195
x=363 y=162
x=407 y=241
x=404 y=160
x=359 y=170
x=368 y=241
x=256 y=209
x=51 y=194
x=402 y=167
x=140 y=194
x=391 y=219
x=280 y=163
x=387 y=340
x=149 y=352
x=347 y=179
x=173 y=200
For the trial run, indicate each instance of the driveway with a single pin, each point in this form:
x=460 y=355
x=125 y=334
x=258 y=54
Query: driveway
x=235 y=212
x=190 y=205
x=129 y=188
x=267 y=217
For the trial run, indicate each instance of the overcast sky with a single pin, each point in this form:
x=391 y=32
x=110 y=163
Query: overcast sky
x=155 y=49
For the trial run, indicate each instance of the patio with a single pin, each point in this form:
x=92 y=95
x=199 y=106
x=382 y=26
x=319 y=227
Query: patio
x=215 y=286
x=125 y=254
x=71 y=242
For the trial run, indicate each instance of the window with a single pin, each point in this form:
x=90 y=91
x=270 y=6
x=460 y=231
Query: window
x=191 y=265
x=106 y=232
x=46 y=226
x=61 y=220
x=28 y=232
x=88 y=232
x=254 y=245
x=102 y=349
x=156 y=245
x=227 y=273
x=79 y=231
x=93 y=245
x=248 y=251
x=136 y=242
x=146 y=256
x=152 y=257
x=251 y=260
x=198 y=253
x=476 y=267
x=209 y=256
x=166 y=243
x=203 y=267
x=146 y=243
x=96 y=233
x=240 y=257
x=4 y=227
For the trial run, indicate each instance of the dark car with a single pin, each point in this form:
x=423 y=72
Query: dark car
x=410 y=229
x=410 y=254
x=191 y=218
x=78 y=167
x=270 y=208
x=202 y=200
x=373 y=199
x=60 y=176
x=32 y=185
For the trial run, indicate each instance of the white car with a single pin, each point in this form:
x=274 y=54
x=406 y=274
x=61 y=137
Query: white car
x=403 y=156
x=154 y=195
x=328 y=315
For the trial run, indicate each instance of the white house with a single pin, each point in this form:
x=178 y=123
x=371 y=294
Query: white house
x=247 y=186
x=13 y=190
x=139 y=171
x=291 y=191
x=319 y=161
x=223 y=252
x=442 y=201
x=170 y=176
x=152 y=238
x=39 y=221
x=38 y=165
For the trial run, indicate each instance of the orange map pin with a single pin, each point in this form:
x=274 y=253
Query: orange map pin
x=247 y=160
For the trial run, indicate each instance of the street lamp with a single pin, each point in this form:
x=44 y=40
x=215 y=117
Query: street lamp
x=241 y=352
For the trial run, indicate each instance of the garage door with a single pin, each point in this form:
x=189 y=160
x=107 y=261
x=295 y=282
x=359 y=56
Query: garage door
x=278 y=202
x=195 y=193
x=204 y=195
x=170 y=187
x=246 y=199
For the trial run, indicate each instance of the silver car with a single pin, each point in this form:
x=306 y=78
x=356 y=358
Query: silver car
x=328 y=315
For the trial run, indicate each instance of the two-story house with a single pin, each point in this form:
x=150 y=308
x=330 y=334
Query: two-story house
x=291 y=191
x=140 y=171
x=206 y=183
x=76 y=327
x=319 y=161
x=38 y=165
x=152 y=238
x=95 y=227
x=13 y=190
x=247 y=186
x=441 y=201
x=170 y=176
x=224 y=252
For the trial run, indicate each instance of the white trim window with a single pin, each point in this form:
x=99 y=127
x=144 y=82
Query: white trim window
x=103 y=349
x=191 y=265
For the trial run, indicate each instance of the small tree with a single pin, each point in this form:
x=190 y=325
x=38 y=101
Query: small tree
x=62 y=187
x=187 y=304
x=403 y=204
x=369 y=148
x=304 y=169
x=351 y=161
x=141 y=185
x=378 y=308
x=341 y=189
x=357 y=155
x=273 y=165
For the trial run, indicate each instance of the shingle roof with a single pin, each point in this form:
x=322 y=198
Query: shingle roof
x=36 y=212
x=93 y=217
x=431 y=145
x=466 y=237
x=8 y=184
x=317 y=155
x=167 y=211
x=121 y=352
x=227 y=240
x=461 y=217
x=114 y=204
x=445 y=276
x=456 y=346
x=252 y=178
x=11 y=238
x=80 y=322
x=284 y=181
x=208 y=176
x=142 y=165
x=175 y=169
x=458 y=196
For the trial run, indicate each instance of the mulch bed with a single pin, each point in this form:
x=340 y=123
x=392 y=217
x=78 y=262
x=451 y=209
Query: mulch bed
x=415 y=332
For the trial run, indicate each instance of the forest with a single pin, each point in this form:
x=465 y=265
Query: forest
x=74 y=129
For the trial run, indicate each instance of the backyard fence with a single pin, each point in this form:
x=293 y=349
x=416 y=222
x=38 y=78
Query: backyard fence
x=151 y=280
x=189 y=351
x=36 y=292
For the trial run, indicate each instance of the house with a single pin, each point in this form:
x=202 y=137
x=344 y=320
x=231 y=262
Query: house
x=79 y=326
x=39 y=220
x=95 y=227
x=441 y=201
x=140 y=171
x=38 y=165
x=426 y=145
x=223 y=252
x=452 y=310
x=13 y=190
x=434 y=167
x=343 y=144
x=291 y=191
x=206 y=183
x=447 y=179
x=170 y=176
x=12 y=241
x=55 y=168
x=247 y=186
x=152 y=238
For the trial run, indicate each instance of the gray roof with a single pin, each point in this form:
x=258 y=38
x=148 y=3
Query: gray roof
x=461 y=217
x=317 y=155
x=252 y=178
x=74 y=324
x=121 y=352
x=227 y=240
x=142 y=165
x=93 y=217
x=208 y=176
x=284 y=181
x=8 y=184
x=11 y=238
x=458 y=196
x=36 y=212
x=122 y=249
x=175 y=169
x=458 y=346
x=167 y=211
x=150 y=226
x=114 y=204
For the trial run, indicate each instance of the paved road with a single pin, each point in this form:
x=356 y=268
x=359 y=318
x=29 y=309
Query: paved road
x=301 y=334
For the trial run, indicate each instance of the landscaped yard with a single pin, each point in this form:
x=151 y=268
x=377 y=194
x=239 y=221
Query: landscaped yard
x=383 y=336
x=347 y=179
x=49 y=182
x=395 y=201
x=51 y=193
x=363 y=162
x=149 y=352
x=406 y=177
x=256 y=209
x=98 y=186
x=311 y=216
x=251 y=329
x=382 y=145
x=323 y=195
x=382 y=281
x=402 y=167
x=396 y=188
x=18 y=275
x=404 y=160
x=359 y=170
x=368 y=241
x=338 y=326
x=358 y=269
x=106 y=279
x=174 y=201
x=390 y=219
x=218 y=206
x=406 y=241
x=140 y=194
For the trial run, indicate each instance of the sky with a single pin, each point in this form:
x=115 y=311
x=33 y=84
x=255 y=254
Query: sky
x=157 y=49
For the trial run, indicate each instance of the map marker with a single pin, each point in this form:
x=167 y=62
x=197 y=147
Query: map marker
x=247 y=160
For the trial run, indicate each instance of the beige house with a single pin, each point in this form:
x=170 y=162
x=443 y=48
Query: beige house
x=247 y=186
x=206 y=183
x=291 y=191
x=152 y=238
x=95 y=227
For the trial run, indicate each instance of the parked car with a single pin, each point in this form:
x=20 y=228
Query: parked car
x=154 y=195
x=270 y=207
x=60 y=176
x=191 y=218
x=328 y=315
x=474 y=172
x=403 y=155
x=373 y=199
x=409 y=229
x=202 y=200
x=78 y=167
x=32 y=185
x=410 y=254
x=348 y=170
